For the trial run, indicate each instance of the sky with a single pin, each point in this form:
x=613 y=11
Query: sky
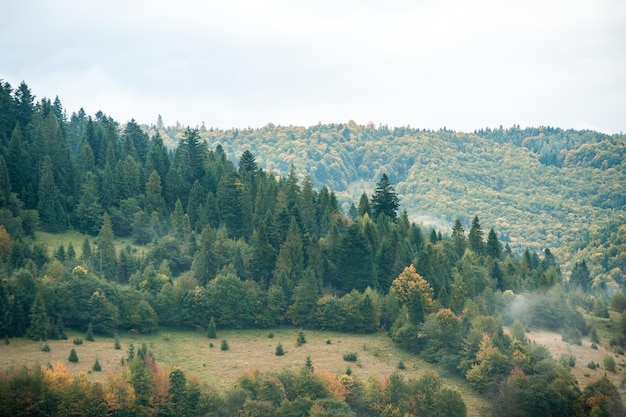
x=463 y=65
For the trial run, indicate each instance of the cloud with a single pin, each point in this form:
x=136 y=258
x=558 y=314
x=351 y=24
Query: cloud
x=463 y=65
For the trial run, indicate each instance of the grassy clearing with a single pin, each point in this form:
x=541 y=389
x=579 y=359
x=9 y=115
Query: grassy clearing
x=248 y=349
x=583 y=355
x=54 y=240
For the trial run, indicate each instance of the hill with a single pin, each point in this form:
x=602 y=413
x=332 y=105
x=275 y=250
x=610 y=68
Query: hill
x=539 y=187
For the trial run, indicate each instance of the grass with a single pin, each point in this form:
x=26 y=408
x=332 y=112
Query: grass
x=248 y=349
x=54 y=240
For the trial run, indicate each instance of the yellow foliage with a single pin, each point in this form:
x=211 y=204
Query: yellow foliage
x=407 y=283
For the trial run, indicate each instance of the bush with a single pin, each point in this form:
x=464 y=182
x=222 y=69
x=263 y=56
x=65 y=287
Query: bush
x=592 y=365
x=89 y=335
x=618 y=302
x=328 y=342
x=211 y=344
x=350 y=357
x=279 y=350
x=118 y=344
x=609 y=363
x=224 y=345
x=78 y=341
x=593 y=335
x=73 y=356
x=301 y=339
x=594 y=346
x=211 y=332
x=401 y=365
x=45 y=347
x=96 y=365
x=270 y=335
x=573 y=336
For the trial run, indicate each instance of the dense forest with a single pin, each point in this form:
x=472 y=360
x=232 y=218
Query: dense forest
x=220 y=239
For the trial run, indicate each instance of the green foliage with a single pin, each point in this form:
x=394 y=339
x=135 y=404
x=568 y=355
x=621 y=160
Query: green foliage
x=73 y=356
x=89 y=335
x=609 y=363
x=211 y=329
x=224 y=345
x=350 y=357
x=96 y=365
x=45 y=347
x=301 y=339
x=279 y=350
x=78 y=341
x=117 y=344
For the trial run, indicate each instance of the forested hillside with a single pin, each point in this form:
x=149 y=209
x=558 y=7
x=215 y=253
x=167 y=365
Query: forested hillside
x=223 y=236
x=538 y=186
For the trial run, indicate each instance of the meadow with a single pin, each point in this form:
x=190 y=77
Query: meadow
x=248 y=350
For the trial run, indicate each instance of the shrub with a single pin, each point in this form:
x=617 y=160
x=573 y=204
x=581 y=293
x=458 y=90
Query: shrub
x=301 y=339
x=279 y=350
x=224 y=345
x=593 y=335
x=573 y=336
x=96 y=365
x=89 y=335
x=45 y=347
x=211 y=344
x=309 y=364
x=270 y=335
x=118 y=344
x=592 y=365
x=350 y=357
x=401 y=365
x=609 y=363
x=73 y=356
x=328 y=342
x=211 y=332
x=594 y=346
x=78 y=341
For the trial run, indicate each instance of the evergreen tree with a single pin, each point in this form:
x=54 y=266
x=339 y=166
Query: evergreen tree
x=290 y=261
x=247 y=163
x=364 y=206
x=475 y=237
x=580 y=276
x=5 y=184
x=229 y=203
x=493 y=248
x=6 y=317
x=355 y=264
x=51 y=212
x=158 y=159
x=89 y=210
x=73 y=356
x=105 y=259
x=384 y=201
x=211 y=329
x=458 y=238
x=39 y=321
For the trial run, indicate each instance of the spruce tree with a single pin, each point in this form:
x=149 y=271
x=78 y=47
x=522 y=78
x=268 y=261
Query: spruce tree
x=105 y=259
x=493 y=248
x=212 y=329
x=385 y=201
x=39 y=321
x=475 y=237
x=51 y=212
x=73 y=356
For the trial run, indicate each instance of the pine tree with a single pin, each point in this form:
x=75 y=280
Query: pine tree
x=580 y=276
x=96 y=365
x=105 y=259
x=493 y=248
x=211 y=332
x=364 y=206
x=51 y=212
x=384 y=201
x=39 y=321
x=458 y=238
x=73 y=356
x=475 y=237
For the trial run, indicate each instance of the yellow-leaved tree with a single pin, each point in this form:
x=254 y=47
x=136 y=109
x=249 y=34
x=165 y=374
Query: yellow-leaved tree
x=412 y=290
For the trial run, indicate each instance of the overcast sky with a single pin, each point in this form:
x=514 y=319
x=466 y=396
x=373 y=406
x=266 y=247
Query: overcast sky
x=428 y=64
